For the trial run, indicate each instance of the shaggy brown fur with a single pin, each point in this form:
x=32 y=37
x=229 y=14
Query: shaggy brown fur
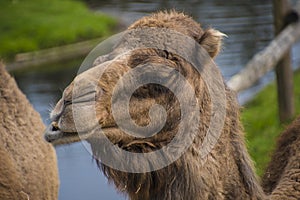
x=282 y=177
x=228 y=171
x=28 y=168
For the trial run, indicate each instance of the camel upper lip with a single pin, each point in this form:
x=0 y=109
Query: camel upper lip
x=51 y=134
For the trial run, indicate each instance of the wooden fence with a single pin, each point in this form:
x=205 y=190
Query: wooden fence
x=54 y=54
x=268 y=58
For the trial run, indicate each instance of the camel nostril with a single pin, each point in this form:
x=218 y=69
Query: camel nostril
x=54 y=126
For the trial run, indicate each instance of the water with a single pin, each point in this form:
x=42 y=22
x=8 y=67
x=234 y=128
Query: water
x=248 y=25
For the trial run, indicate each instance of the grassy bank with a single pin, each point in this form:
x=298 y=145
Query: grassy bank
x=260 y=119
x=36 y=24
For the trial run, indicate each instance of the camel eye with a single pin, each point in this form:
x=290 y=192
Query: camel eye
x=67 y=102
x=85 y=97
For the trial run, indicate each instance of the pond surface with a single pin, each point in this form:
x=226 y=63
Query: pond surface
x=248 y=25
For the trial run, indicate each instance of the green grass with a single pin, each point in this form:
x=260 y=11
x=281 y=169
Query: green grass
x=260 y=119
x=27 y=25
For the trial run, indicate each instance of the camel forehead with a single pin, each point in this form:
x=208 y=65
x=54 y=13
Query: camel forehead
x=84 y=83
x=93 y=74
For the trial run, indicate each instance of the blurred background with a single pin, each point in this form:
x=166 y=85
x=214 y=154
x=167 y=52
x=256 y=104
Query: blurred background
x=32 y=25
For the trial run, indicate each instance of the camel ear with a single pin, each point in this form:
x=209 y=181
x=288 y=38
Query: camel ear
x=211 y=41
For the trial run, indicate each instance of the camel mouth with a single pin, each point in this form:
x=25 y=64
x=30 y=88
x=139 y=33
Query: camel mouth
x=55 y=136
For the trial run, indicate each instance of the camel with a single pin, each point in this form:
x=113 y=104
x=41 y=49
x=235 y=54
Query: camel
x=225 y=172
x=28 y=168
x=282 y=176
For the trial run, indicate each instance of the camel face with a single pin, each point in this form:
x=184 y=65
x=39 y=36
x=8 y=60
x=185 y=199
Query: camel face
x=85 y=108
x=86 y=104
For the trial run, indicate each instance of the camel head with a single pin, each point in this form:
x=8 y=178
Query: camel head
x=89 y=96
x=134 y=99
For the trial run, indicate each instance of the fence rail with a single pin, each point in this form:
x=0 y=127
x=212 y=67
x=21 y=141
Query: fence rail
x=54 y=54
x=265 y=60
x=276 y=54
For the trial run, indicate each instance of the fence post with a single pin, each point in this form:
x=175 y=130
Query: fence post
x=284 y=71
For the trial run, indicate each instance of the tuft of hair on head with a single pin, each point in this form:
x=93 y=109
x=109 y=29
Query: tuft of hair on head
x=211 y=41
